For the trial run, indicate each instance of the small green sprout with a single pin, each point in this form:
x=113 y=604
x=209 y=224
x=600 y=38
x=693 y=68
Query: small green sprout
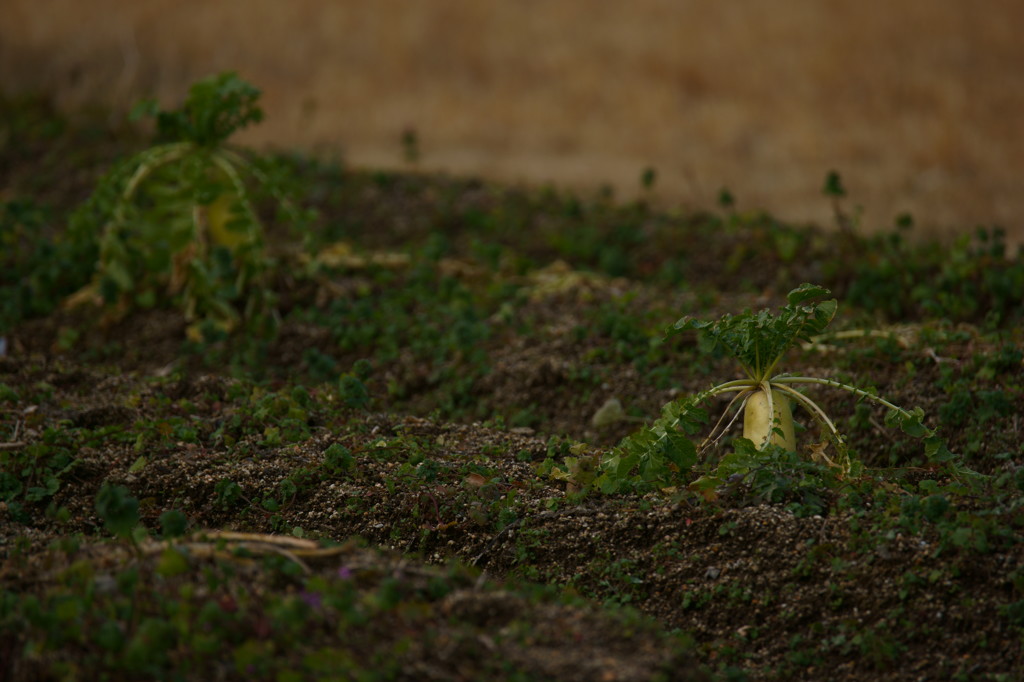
x=178 y=219
x=118 y=509
x=410 y=145
x=758 y=341
x=836 y=191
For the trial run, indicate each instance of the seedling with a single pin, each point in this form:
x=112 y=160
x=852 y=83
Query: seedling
x=758 y=341
x=178 y=219
x=835 y=191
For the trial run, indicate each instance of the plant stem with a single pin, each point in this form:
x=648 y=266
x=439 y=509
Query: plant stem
x=811 y=407
x=732 y=386
x=784 y=379
x=158 y=157
x=715 y=433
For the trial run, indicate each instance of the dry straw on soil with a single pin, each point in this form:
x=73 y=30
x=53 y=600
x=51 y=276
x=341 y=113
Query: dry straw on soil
x=918 y=104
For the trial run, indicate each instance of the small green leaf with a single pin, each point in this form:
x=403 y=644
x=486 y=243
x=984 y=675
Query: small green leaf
x=806 y=292
x=935 y=507
x=961 y=536
x=120 y=275
x=609 y=413
x=171 y=563
x=1014 y=612
x=173 y=523
x=227 y=492
x=287 y=488
x=353 y=391
x=337 y=458
x=648 y=178
x=935 y=450
x=8 y=394
x=609 y=485
x=109 y=636
x=144 y=108
x=909 y=422
x=37 y=493
x=272 y=435
x=679 y=450
x=833 y=186
x=118 y=509
x=706 y=485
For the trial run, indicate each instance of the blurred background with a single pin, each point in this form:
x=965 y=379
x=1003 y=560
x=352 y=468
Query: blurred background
x=918 y=104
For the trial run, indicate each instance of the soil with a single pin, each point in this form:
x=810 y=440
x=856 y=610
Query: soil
x=449 y=478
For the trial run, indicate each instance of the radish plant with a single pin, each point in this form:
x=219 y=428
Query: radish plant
x=758 y=341
x=178 y=219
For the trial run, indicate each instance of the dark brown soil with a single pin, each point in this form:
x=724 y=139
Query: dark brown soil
x=759 y=587
x=450 y=478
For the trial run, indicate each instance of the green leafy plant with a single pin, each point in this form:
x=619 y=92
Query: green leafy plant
x=758 y=341
x=180 y=219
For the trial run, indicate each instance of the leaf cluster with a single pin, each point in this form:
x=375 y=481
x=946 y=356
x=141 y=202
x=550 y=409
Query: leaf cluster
x=773 y=475
x=658 y=456
x=978 y=278
x=216 y=108
x=759 y=340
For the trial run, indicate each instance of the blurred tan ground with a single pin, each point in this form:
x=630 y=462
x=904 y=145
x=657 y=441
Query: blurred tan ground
x=918 y=103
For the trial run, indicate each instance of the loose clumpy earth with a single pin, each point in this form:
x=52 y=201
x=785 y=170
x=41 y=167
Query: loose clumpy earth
x=381 y=489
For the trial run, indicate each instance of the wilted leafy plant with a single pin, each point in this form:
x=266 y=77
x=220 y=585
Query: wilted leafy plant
x=758 y=341
x=179 y=220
